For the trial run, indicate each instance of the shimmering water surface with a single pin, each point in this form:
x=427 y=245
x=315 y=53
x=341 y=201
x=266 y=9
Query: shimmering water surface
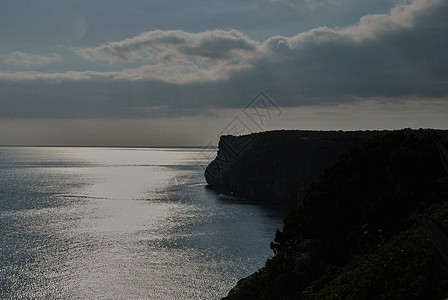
x=111 y=223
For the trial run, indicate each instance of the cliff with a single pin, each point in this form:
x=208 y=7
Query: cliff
x=276 y=167
x=357 y=234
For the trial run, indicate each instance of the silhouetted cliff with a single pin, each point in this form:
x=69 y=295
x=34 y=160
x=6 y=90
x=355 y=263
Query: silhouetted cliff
x=357 y=235
x=276 y=167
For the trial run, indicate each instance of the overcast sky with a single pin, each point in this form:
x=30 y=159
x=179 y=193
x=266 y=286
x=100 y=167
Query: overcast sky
x=153 y=73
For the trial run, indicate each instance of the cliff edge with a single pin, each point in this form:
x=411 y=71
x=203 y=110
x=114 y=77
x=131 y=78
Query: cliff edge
x=276 y=167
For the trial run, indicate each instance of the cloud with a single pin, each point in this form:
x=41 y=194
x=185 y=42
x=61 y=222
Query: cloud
x=419 y=14
x=208 y=45
x=184 y=73
x=28 y=60
x=177 y=56
x=398 y=55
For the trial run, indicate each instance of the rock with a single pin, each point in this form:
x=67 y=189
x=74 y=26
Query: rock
x=276 y=167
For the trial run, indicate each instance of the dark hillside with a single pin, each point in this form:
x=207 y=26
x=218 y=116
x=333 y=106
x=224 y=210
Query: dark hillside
x=357 y=234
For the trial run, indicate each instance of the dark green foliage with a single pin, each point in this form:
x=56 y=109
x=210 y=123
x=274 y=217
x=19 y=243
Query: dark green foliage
x=375 y=186
x=357 y=236
x=405 y=267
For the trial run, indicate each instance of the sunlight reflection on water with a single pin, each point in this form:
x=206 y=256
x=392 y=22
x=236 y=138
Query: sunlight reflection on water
x=113 y=224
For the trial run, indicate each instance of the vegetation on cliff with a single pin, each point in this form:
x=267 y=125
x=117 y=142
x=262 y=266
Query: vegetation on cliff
x=357 y=235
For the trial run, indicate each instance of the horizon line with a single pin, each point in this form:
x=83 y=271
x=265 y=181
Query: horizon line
x=105 y=146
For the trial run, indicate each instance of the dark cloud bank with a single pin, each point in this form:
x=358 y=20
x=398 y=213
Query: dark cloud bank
x=400 y=55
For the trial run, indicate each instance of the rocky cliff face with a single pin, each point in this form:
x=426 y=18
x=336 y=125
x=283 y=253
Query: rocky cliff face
x=357 y=234
x=276 y=167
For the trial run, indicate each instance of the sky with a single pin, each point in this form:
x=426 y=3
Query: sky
x=181 y=73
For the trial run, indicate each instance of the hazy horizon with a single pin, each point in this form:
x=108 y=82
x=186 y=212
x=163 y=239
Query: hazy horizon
x=209 y=145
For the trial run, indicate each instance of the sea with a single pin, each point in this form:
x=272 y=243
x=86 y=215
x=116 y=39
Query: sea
x=123 y=223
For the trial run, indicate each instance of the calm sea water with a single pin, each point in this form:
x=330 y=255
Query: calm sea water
x=111 y=223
